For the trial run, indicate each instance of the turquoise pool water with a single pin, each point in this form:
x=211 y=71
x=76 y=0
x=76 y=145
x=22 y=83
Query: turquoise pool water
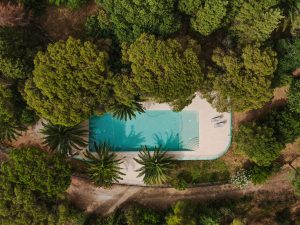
x=171 y=130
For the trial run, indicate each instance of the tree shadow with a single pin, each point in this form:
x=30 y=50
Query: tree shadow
x=113 y=132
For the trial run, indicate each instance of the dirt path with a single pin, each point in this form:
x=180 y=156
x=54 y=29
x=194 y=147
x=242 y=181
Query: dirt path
x=103 y=201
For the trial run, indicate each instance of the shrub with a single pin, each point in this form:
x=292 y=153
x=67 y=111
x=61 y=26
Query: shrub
x=182 y=180
x=137 y=215
x=294 y=96
x=210 y=17
x=258 y=143
x=260 y=174
x=73 y=4
x=241 y=178
x=182 y=213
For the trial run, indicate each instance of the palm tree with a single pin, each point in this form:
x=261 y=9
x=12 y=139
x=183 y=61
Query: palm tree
x=123 y=112
x=104 y=168
x=155 y=167
x=10 y=132
x=64 y=140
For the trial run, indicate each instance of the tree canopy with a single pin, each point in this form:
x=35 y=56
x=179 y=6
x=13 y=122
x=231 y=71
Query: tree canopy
x=70 y=82
x=210 y=17
x=165 y=70
x=243 y=78
x=256 y=20
x=294 y=96
x=258 y=143
x=132 y=18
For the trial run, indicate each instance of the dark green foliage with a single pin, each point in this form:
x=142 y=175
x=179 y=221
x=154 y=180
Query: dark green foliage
x=256 y=20
x=285 y=123
x=291 y=9
x=294 y=96
x=99 y=25
x=18 y=47
x=124 y=112
x=40 y=172
x=165 y=70
x=73 y=4
x=67 y=141
x=182 y=180
x=10 y=132
x=70 y=82
x=155 y=166
x=288 y=60
x=131 y=19
x=28 y=117
x=258 y=143
x=36 y=5
x=137 y=215
x=260 y=174
x=104 y=167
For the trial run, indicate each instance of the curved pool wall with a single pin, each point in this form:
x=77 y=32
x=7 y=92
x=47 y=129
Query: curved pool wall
x=173 y=131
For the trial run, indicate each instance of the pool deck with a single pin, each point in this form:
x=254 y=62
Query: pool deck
x=213 y=141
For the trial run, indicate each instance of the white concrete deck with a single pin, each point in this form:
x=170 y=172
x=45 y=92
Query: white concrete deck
x=213 y=141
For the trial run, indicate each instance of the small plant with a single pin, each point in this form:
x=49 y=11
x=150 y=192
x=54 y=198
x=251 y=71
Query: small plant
x=155 y=166
x=104 y=167
x=64 y=140
x=10 y=132
x=73 y=4
x=241 y=178
x=13 y=15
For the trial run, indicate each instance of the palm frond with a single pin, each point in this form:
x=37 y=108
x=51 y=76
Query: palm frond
x=124 y=112
x=104 y=167
x=10 y=132
x=64 y=140
x=154 y=167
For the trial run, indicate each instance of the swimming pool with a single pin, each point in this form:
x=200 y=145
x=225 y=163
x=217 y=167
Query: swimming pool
x=171 y=130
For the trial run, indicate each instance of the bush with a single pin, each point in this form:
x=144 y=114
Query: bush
x=294 y=96
x=258 y=143
x=182 y=180
x=241 y=178
x=73 y=4
x=260 y=174
x=28 y=117
x=137 y=215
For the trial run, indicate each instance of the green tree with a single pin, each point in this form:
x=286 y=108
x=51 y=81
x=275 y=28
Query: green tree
x=210 y=17
x=258 y=143
x=40 y=172
x=285 y=124
x=165 y=70
x=31 y=190
x=243 y=78
x=294 y=96
x=138 y=215
x=18 y=47
x=131 y=19
x=70 y=82
x=64 y=140
x=154 y=167
x=182 y=213
x=104 y=167
x=256 y=20
x=288 y=60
